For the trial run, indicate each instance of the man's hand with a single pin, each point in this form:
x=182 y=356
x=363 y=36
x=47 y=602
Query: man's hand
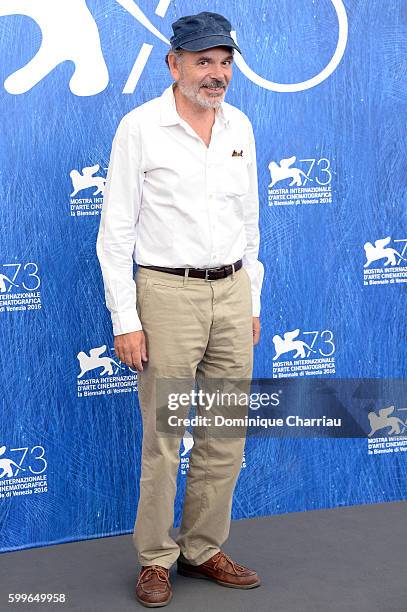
x=256 y=330
x=131 y=349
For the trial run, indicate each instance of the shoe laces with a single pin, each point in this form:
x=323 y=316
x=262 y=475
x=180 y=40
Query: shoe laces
x=154 y=569
x=237 y=568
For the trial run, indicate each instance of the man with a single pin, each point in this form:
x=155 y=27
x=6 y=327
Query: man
x=181 y=200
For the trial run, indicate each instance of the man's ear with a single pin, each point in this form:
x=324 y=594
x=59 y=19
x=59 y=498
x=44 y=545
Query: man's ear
x=173 y=66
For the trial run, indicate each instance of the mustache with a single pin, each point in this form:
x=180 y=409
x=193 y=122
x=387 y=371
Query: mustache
x=214 y=83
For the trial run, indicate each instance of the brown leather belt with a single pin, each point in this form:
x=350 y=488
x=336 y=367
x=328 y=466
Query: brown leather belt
x=206 y=273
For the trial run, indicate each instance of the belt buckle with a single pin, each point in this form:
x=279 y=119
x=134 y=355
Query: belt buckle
x=207 y=270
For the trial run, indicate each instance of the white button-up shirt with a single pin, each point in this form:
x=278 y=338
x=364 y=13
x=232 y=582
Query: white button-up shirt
x=172 y=201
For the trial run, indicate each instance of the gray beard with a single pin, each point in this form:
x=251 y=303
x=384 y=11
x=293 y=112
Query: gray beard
x=195 y=96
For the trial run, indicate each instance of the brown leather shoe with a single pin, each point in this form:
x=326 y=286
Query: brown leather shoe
x=221 y=569
x=153 y=587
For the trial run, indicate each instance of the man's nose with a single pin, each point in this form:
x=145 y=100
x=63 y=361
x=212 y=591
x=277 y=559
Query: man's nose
x=217 y=72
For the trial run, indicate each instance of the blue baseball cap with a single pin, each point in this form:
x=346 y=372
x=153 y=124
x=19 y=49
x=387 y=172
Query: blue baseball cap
x=202 y=31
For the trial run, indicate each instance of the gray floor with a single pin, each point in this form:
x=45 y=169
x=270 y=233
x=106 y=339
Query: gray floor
x=341 y=560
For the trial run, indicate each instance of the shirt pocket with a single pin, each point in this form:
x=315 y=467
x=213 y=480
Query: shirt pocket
x=233 y=177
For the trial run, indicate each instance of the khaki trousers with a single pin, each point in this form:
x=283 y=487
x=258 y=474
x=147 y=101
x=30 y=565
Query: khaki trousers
x=195 y=329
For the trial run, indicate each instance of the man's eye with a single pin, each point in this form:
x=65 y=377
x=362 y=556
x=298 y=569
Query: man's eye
x=203 y=63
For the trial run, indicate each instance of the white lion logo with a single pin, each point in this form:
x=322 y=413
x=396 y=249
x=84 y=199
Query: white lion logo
x=383 y=420
x=381 y=251
x=288 y=344
x=69 y=33
x=86 y=180
x=94 y=360
x=284 y=171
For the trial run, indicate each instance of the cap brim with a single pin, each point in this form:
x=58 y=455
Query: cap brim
x=208 y=42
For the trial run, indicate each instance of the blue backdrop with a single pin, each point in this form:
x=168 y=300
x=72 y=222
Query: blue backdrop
x=324 y=83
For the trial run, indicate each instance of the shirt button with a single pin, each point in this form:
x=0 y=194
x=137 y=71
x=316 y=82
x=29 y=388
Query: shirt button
x=211 y=196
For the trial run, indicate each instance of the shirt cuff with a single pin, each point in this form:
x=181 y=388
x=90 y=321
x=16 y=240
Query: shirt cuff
x=125 y=322
x=255 y=305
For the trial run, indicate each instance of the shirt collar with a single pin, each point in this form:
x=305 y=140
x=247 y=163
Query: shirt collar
x=170 y=116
